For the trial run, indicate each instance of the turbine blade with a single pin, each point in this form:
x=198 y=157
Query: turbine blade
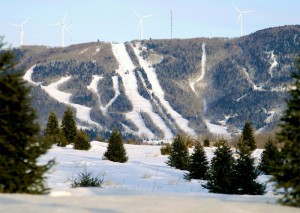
x=138 y=15
x=57 y=24
x=237 y=9
x=247 y=11
x=25 y=21
x=147 y=16
x=63 y=21
x=239 y=19
x=16 y=25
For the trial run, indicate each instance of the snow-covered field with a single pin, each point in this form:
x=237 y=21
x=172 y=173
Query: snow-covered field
x=143 y=184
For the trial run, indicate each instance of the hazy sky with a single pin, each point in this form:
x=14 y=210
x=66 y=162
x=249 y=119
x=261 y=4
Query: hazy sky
x=113 y=20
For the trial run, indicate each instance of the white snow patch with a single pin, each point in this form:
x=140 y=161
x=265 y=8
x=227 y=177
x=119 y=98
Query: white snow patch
x=159 y=93
x=217 y=129
x=242 y=97
x=203 y=69
x=140 y=104
x=273 y=63
x=83 y=51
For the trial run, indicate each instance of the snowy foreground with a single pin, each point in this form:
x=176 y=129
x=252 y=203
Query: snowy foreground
x=143 y=184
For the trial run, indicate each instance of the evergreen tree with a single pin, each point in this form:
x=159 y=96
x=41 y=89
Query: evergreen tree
x=247 y=137
x=52 y=131
x=82 y=141
x=221 y=173
x=287 y=172
x=179 y=155
x=198 y=164
x=246 y=174
x=68 y=126
x=19 y=145
x=269 y=157
x=115 y=150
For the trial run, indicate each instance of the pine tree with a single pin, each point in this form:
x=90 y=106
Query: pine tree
x=179 y=155
x=247 y=137
x=52 y=131
x=20 y=146
x=198 y=164
x=287 y=172
x=246 y=174
x=115 y=150
x=81 y=141
x=68 y=126
x=269 y=157
x=220 y=177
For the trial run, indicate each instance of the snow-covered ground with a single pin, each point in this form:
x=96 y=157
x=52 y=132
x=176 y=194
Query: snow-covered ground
x=143 y=184
x=217 y=129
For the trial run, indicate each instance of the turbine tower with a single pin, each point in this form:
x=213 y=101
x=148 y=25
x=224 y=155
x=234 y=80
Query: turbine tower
x=63 y=28
x=141 y=18
x=21 y=26
x=240 y=18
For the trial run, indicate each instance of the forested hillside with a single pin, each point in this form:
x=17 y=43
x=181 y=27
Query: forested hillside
x=155 y=88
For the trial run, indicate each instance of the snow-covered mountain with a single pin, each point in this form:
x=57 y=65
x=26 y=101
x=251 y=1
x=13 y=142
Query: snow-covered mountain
x=155 y=88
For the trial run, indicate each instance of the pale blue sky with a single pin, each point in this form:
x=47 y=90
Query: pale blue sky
x=113 y=20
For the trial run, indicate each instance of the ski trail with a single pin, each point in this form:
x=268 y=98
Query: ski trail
x=254 y=86
x=115 y=80
x=82 y=112
x=126 y=71
x=94 y=88
x=203 y=69
x=28 y=76
x=159 y=93
x=273 y=63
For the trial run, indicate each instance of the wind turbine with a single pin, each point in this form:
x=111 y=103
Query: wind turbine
x=141 y=18
x=63 y=28
x=240 y=18
x=21 y=30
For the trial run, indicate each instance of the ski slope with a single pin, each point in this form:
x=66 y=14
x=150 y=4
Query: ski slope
x=159 y=93
x=82 y=112
x=140 y=104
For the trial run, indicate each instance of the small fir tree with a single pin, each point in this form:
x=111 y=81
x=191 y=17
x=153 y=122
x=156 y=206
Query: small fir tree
x=179 y=155
x=246 y=174
x=198 y=164
x=221 y=173
x=68 y=126
x=269 y=157
x=81 y=141
x=286 y=172
x=20 y=146
x=52 y=131
x=115 y=150
x=247 y=137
